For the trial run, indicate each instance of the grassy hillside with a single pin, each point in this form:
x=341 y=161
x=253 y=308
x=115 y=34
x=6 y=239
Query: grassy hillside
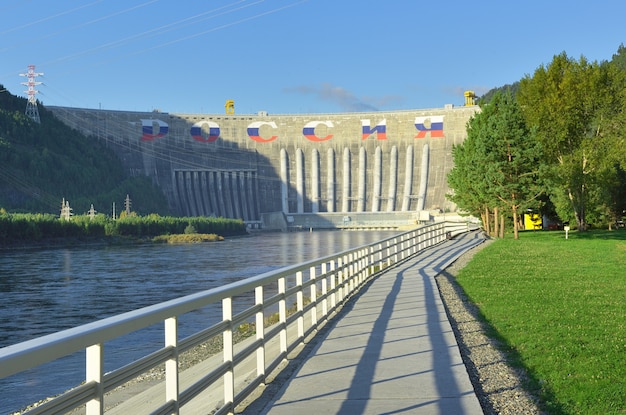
x=40 y=164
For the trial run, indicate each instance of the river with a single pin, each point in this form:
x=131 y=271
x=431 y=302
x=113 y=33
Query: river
x=51 y=289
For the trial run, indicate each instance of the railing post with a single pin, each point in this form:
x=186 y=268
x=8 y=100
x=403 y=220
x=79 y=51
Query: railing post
x=300 y=304
x=350 y=273
x=407 y=245
x=358 y=275
x=366 y=261
x=282 y=314
x=395 y=250
x=333 y=286
x=171 y=365
x=358 y=269
x=371 y=260
x=387 y=253
x=420 y=238
x=313 y=280
x=324 y=289
x=260 y=332
x=340 y=272
x=94 y=369
x=229 y=376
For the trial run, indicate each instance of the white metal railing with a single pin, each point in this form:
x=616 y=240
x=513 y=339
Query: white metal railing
x=326 y=283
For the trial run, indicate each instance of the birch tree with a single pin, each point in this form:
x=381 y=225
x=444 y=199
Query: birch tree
x=574 y=105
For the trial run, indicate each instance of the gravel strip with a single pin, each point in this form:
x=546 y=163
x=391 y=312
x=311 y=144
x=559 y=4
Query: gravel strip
x=497 y=385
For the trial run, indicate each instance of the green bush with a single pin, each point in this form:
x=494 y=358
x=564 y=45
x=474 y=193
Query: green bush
x=26 y=226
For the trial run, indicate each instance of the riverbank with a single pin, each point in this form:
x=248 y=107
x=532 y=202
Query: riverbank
x=498 y=386
x=73 y=242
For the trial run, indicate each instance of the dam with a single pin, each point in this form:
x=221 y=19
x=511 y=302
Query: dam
x=265 y=168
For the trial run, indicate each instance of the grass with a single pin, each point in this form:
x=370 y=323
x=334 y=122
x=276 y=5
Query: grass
x=560 y=306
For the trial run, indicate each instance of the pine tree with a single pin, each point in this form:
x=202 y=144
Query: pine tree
x=497 y=166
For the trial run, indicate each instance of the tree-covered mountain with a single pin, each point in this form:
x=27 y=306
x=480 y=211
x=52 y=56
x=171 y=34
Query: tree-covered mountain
x=509 y=88
x=43 y=163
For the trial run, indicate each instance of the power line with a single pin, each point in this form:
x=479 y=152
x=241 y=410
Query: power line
x=84 y=24
x=210 y=14
x=48 y=18
x=234 y=7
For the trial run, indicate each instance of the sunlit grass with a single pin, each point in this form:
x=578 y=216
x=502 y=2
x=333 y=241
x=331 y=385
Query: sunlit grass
x=560 y=305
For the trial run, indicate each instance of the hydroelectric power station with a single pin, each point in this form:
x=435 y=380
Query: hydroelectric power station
x=277 y=171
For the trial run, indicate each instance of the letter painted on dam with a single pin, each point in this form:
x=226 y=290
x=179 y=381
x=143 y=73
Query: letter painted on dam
x=197 y=131
x=432 y=125
x=148 y=128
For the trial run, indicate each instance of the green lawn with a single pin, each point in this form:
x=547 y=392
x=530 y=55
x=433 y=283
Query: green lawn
x=560 y=306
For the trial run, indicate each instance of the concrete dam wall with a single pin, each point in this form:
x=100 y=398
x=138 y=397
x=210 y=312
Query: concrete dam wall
x=243 y=166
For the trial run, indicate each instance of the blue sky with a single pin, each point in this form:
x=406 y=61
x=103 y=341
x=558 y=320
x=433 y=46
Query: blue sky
x=291 y=56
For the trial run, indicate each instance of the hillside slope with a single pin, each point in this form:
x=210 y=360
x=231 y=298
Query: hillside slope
x=42 y=164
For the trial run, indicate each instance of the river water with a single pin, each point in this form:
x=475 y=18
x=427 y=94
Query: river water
x=51 y=289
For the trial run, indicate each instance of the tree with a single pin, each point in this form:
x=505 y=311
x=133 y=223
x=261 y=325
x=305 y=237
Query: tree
x=466 y=181
x=514 y=156
x=572 y=104
x=497 y=166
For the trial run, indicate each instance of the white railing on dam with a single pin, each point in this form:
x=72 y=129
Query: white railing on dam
x=298 y=297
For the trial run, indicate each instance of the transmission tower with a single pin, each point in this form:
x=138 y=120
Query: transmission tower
x=31 y=106
x=127 y=204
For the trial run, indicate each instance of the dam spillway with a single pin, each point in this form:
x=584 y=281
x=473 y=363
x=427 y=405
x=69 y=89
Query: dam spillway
x=242 y=166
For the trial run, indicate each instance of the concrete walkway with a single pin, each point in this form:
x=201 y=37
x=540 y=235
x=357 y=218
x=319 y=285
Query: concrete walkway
x=390 y=351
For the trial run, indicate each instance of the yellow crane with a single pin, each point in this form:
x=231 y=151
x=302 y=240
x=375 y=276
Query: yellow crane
x=470 y=98
x=230 y=106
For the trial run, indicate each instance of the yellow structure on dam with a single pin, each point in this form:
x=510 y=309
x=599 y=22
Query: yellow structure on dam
x=247 y=165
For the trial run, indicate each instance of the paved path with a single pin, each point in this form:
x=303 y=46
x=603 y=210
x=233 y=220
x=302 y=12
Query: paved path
x=392 y=352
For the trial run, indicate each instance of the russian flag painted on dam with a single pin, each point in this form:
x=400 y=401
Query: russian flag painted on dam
x=432 y=124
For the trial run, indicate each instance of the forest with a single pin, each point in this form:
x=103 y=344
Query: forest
x=552 y=144
x=41 y=164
